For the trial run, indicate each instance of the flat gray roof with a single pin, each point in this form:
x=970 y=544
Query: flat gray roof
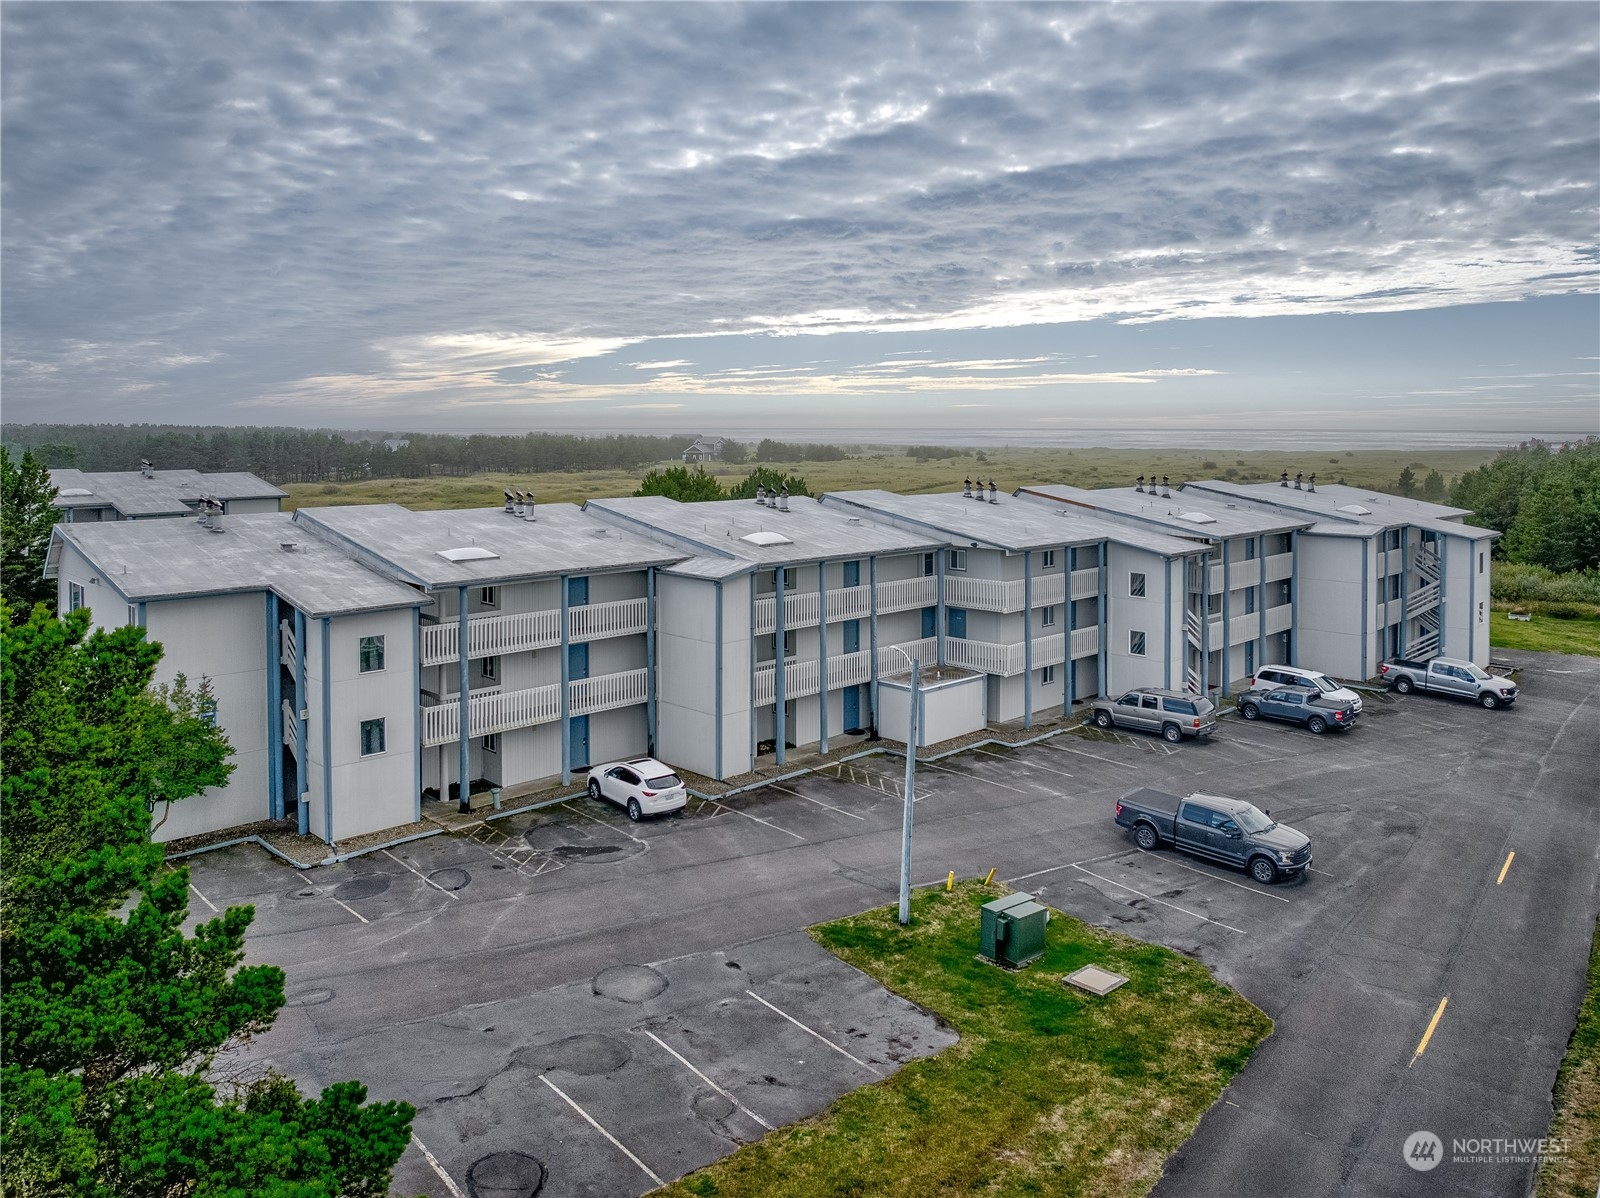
x=406 y=544
x=1168 y=513
x=1011 y=524
x=177 y=559
x=169 y=493
x=1327 y=502
x=716 y=533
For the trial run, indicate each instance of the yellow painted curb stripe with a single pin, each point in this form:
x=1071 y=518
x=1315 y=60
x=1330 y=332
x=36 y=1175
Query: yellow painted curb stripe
x=1505 y=867
x=1428 y=1035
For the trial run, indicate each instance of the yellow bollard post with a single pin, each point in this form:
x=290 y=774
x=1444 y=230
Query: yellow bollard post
x=990 y=878
x=950 y=882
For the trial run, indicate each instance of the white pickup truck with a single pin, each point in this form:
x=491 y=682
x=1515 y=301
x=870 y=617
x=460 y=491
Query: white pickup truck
x=1449 y=676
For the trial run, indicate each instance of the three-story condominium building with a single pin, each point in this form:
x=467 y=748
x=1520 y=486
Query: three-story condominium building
x=150 y=494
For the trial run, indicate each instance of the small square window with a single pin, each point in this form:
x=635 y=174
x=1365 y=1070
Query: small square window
x=489 y=596
x=491 y=743
x=956 y=559
x=1048 y=559
x=1047 y=617
x=1136 y=586
x=372 y=737
x=489 y=667
x=74 y=596
x=927 y=564
x=371 y=654
x=1136 y=643
x=1047 y=675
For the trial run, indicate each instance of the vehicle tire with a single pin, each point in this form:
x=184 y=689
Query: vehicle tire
x=594 y=788
x=1403 y=685
x=1317 y=724
x=1102 y=719
x=1146 y=837
x=1250 y=711
x=1171 y=733
x=1489 y=700
x=1263 y=871
x=635 y=812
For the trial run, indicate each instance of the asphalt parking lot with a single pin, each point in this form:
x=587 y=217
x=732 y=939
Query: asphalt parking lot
x=580 y=1003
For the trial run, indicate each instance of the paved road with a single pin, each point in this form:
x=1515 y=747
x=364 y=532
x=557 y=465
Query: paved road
x=393 y=975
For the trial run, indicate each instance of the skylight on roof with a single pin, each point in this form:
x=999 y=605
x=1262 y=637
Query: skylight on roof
x=766 y=537
x=73 y=493
x=1197 y=518
x=1355 y=509
x=468 y=553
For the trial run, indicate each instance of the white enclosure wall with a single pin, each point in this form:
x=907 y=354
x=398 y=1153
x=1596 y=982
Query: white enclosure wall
x=1329 y=603
x=376 y=790
x=687 y=678
x=1131 y=618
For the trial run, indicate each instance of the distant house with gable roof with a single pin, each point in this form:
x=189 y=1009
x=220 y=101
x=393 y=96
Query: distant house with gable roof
x=705 y=449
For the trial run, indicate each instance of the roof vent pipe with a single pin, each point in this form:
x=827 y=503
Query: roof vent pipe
x=511 y=503
x=783 y=498
x=1165 y=493
x=1140 y=487
x=527 y=508
x=1311 y=483
x=146 y=469
x=993 y=493
x=213 y=509
x=1284 y=480
x=966 y=488
x=1297 y=480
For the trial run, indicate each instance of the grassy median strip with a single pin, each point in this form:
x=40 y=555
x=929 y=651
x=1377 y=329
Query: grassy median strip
x=1575 y=1173
x=1049 y=1091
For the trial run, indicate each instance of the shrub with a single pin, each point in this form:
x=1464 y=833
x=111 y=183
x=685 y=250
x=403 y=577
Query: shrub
x=1565 y=611
x=1515 y=582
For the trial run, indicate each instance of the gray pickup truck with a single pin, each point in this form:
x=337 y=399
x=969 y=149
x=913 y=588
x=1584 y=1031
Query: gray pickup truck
x=1227 y=830
x=1449 y=676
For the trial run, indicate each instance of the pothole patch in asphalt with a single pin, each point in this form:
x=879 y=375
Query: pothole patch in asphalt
x=364 y=886
x=505 y=1175
x=305 y=892
x=629 y=983
x=588 y=1055
x=309 y=998
x=450 y=879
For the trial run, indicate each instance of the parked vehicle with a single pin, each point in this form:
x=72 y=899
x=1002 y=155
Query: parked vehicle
x=1451 y=677
x=644 y=786
x=1227 y=830
x=1298 y=705
x=1272 y=677
x=1174 y=714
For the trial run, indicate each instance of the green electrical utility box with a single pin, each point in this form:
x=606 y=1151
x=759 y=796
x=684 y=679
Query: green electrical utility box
x=1013 y=930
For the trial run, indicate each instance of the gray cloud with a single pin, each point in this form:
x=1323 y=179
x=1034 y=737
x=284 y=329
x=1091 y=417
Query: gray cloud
x=379 y=206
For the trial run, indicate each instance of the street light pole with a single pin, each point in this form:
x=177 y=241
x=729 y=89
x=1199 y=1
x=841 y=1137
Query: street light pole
x=911 y=771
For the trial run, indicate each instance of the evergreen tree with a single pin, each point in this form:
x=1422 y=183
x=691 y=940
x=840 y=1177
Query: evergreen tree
x=1406 y=484
x=1433 y=487
x=26 y=518
x=682 y=484
x=772 y=480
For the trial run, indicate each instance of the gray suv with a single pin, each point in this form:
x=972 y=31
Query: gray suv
x=1174 y=714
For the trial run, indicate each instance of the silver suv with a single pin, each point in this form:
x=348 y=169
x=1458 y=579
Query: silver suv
x=1174 y=714
x=1275 y=677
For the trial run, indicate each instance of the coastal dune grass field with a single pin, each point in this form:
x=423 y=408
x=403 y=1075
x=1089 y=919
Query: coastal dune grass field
x=1049 y=1091
x=890 y=469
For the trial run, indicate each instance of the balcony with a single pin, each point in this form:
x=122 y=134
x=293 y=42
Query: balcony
x=1424 y=598
x=288 y=650
x=1280 y=618
x=801 y=609
x=291 y=727
x=802 y=678
x=1278 y=567
x=504 y=711
x=491 y=636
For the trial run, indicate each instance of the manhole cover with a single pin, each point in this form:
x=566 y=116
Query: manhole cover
x=588 y=1055
x=309 y=998
x=450 y=879
x=629 y=983
x=1095 y=980
x=505 y=1175
x=365 y=886
x=305 y=892
x=714 y=1107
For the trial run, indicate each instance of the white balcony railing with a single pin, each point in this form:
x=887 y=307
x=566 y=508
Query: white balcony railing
x=1422 y=599
x=1280 y=618
x=1278 y=567
x=287 y=650
x=800 y=610
x=849 y=603
x=505 y=711
x=291 y=727
x=1050 y=650
x=903 y=594
x=1086 y=641
x=1244 y=574
x=518 y=632
x=1085 y=584
x=1243 y=627
x=890 y=663
x=607 y=691
x=985 y=657
x=596 y=621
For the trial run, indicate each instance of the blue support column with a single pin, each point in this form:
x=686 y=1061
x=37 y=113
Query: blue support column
x=872 y=633
x=1067 y=622
x=416 y=712
x=1405 y=594
x=274 y=712
x=1166 y=645
x=1261 y=601
x=1227 y=637
x=1027 y=639
x=650 y=658
x=143 y=614
x=1104 y=609
x=822 y=656
x=779 y=721
x=755 y=719
x=939 y=616
x=1444 y=575
x=717 y=762
x=566 y=684
x=1205 y=625
x=1294 y=598
x=327 y=730
x=302 y=774
x=1366 y=602
x=464 y=711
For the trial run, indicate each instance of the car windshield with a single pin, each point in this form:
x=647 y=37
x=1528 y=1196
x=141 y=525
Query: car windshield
x=1323 y=683
x=665 y=782
x=1479 y=674
x=1252 y=820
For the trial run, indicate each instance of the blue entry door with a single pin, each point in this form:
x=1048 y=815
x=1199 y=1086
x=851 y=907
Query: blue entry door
x=852 y=708
x=930 y=621
x=956 y=622
x=852 y=636
x=577 y=592
x=577 y=661
x=852 y=573
x=578 y=740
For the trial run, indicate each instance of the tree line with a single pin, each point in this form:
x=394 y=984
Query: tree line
x=1544 y=498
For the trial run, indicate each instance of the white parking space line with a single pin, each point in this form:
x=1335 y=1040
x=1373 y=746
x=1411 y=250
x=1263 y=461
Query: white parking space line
x=928 y=765
x=589 y=1119
x=317 y=888
x=756 y=819
x=811 y=1031
x=1069 y=865
x=603 y=824
x=450 y=1184
x=202 y=897
x=818 y=802
x=1163 y=902
x=1063 y=749
x=449 y=894
x=1032 y=765
x=684 y=1062
x=1323 y=872
x=892 y=787
x=351 y=909
x=1206 y=873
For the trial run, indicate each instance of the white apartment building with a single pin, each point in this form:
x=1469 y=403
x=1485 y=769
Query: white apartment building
x=1235 y=591
x=150 y=494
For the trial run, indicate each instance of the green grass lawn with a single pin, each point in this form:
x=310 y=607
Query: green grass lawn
x=1546 y=634
x=1049 y=1091
x=1575 y=1173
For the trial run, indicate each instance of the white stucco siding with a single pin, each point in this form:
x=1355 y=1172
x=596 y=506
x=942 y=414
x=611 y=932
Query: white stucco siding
x=1464 y=589
x=376 y=790
x=1329 y=603
x=526 y=754
x=107 y=606
x=686 y=670
x=1127 y=614
x=618 y=734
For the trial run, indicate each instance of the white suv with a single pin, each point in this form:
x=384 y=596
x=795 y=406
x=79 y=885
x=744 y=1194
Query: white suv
x=1275 y=676
x=644 y=786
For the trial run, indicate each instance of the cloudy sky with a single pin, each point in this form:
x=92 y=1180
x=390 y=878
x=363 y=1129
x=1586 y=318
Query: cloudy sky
x=825 y=216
